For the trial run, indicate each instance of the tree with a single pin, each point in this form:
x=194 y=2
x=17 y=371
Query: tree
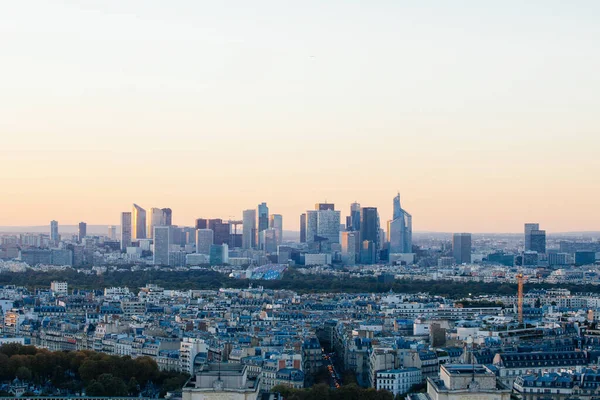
x=95 y=388
x=23 y=373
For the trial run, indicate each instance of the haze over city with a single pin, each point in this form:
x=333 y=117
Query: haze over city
x=482 y=115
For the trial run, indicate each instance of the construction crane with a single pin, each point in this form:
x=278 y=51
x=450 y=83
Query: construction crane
x=520 y=279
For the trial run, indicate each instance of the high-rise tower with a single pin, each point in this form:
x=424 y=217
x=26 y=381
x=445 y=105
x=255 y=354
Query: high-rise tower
x=138 y=222
x=400 y=229
x=125 y=230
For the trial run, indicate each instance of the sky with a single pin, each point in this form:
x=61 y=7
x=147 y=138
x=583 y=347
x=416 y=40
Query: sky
x=483 y=115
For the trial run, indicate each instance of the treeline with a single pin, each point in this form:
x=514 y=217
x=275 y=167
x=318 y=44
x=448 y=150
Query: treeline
x=324 y=392
x=98 y=373
x=292 y=280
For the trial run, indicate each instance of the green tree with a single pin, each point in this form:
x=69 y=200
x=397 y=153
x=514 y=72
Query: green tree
x=94 y=388
x=23 y=373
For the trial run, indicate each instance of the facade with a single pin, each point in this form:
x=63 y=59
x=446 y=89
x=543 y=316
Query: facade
x=529 y=227
x=354 y=224
x=350 y=247
x=138 y=222
x=125 y=230
x=400 y=229
x=466 y=382
x=112 y=232
x=59 y=287
x=249 y=229
x=162 y=244
x=201 y=223
x=461 y=248
x=398 y=381
x=268 y=240
x=81 y=231
x=167 y=216
x=204 y=239
x=220 y=230
x=155 y=218
x=228 y=381
x=276 y=222
x=54 y=236
x=369 y=228
x=538 y=241
x=219 y=254
x=303 y=228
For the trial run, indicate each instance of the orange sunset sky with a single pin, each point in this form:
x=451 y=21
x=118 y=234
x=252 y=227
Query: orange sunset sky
x=483 y=115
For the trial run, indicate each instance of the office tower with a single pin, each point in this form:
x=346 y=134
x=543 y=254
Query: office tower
x=528 y=228
x=368 y=253
x=112 y=232
x=220 y=229
x=276 y=222
x=167 y=216
x=312 y=218
x=324 y=206
x=354 y=217
x=154 y=219
x=204 y=239
x=201 y=223
x=369 y=225
x=54 y=231
x=268 y=238
x=138 y=223
x=249 y=229
x=219 y=254
x=461 y=248
x=262 y=223
x=400 y=229
x=162 y=244
x=350 y=247
x=125 y=230
x=303 y=228
x=537 y=241
x=82 y=232
x=328 y=225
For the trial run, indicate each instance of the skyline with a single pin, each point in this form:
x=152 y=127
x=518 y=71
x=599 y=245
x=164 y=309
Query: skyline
x=483 y=116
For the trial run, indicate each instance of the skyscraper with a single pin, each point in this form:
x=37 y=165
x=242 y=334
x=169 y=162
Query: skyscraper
x=276 y=222
x=538 y=241
x=324 y=206
x=162 y=244
x=350 y=247
x=328 y=225
x=312 y=218
x=201 y=223
x=82 y=231
x=138 y=222
x=154 y=219
x=268 y=238
x=221 y=230
x=262 y=213
x=354 y=217
x=461 y=248
x=400 y=229
x=303 y=228
x=204 y=239
x=125 y=230
x=167 y=216
x=528 y=228
x=369 y=226
x=323 y=224
x=54 y=231
x=112 y=232
x=249 y=229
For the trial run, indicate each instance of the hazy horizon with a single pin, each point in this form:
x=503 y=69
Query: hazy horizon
x=482 y=115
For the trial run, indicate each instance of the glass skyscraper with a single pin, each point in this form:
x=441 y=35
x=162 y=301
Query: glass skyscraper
x=138 y=222
x=400 y=229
